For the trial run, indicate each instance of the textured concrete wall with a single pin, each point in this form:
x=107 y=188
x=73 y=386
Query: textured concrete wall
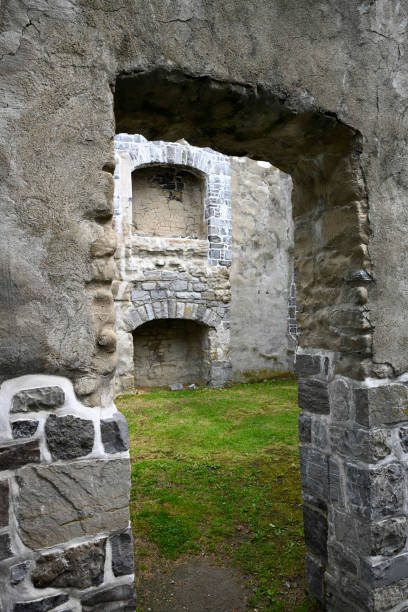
x=262 y=248
x=168 y=201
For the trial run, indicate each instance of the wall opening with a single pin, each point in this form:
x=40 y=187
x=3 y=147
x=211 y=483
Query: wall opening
x=168 y=201
x=332 y=271
x=168 y=351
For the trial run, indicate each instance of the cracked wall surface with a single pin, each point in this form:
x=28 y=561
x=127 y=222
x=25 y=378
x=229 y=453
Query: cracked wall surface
x=320 y=90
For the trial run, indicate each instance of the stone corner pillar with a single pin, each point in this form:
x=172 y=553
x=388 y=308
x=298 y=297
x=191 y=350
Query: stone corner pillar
x=354 y=440
x=65 y=536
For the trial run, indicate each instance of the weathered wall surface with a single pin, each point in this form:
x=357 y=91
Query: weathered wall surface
x=262 y=247
x=319 y=89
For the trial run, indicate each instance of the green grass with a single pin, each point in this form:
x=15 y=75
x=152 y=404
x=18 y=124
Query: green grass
x=215 y=472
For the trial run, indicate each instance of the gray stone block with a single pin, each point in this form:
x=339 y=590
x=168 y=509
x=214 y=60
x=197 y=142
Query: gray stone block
x=24 y=429
x=314 y=578
x=313 y=396
x=122 y=553
x=356 y=593
x=5 y=546
x=17 y=455
x=379 y=573
x=4 y=503
x=376 y=493
x=179 y=285
x=176 y=387
x=403 y=436
x=320 y=436
x=42 y=398
x=78 y=567
x=138 y=294
x=120 y=598
x=115 y=434
x=314 y=472
x=41 y=605
x=64 y=501
x=336 y=486
x=305 y=428
x=69 y=437
x=311 y=500
x=315 y=526
x=307 y=365
x=19 y=572
x=386 y=404
x=340 y=399
x=389 y=536
x=343 y=558
x=368 y=445
x=386 y=598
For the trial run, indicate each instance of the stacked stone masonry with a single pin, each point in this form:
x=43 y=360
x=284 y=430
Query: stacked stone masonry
x=353 y=459
x=64 y=493
x=189 y=278
x=170 y=276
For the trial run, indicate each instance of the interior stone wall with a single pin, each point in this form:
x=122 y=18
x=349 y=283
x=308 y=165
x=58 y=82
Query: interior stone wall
x=173 y=277
x=171 y=351
x=261 y=245
x=167 y=201
x=261 y=270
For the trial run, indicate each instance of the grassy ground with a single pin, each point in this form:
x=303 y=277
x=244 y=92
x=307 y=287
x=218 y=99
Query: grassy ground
x=215 y=472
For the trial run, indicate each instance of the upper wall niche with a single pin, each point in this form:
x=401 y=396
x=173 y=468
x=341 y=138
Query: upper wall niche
x=167 y=201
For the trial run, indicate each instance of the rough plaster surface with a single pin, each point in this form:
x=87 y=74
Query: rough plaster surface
x=262 y=246
x=71 y=52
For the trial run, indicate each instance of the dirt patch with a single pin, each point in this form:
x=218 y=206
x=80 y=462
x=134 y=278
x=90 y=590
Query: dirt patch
x=195 y=586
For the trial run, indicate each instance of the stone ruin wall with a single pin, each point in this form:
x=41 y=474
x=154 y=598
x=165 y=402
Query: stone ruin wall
x=319 y=89
x=162 y=275
x=73 y=549
x=262 y=341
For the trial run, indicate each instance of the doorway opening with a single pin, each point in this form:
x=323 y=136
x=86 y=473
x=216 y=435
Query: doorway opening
x=331 y=258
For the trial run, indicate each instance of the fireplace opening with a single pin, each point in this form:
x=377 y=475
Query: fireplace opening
x=168 y=351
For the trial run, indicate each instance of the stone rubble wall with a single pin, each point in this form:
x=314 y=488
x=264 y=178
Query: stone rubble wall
x=65 y=533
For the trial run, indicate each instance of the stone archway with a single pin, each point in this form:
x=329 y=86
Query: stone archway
x=131 y=318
